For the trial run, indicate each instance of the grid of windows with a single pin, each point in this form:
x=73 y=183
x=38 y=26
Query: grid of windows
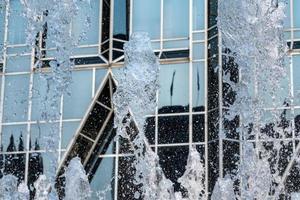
x=177 y=33
x=191 y=99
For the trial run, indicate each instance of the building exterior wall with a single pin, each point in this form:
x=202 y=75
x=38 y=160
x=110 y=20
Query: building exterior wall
x=184 y=36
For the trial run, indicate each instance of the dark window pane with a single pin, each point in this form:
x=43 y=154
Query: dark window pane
x=95 y=121
x=173 y=129
x=173 y=161
x=198 y=128
x=104 y=96
x=127 y=187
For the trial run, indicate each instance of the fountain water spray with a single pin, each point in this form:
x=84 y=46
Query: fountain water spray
x=252 y=33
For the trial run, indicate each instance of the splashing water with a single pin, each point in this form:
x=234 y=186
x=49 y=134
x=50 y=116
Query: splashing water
x=252 y=33
x=53 y=18
x=134 y=98
x=77 y=183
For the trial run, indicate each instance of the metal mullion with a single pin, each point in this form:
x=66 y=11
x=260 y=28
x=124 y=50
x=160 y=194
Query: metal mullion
x=156 y=123
x=292 y=21
x=100 y=27
x=131 y=17
x=291 y=65
x=220 y=105
x=73 y=140
x=101 y=104
x=60 y=126
x=87 y=137
x=93 y=81
x=97 y=138
x=161 y=26
x=111 y=29
x=206 y=97
x=116 y=171
x=190 y=73
x=30 y=95
x=4 y=67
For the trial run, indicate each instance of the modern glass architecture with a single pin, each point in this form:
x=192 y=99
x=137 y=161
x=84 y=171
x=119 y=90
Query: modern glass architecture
x=191 y=101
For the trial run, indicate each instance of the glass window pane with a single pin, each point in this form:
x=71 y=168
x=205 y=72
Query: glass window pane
x=174 y=88
x=176 y=18
x=14 y=138
x=2 y=20
x=198 y=14
x=287 y=20
x=296 y=14
x=296 y=72
x=198 y=51
x=15 y=109
x=42 y=92
x=38 y=133
x=173 y=161
x=146 y=17
x=68 y=131
x=80 y=96
x=173 y=129
x=18 y=64
x=79 y=25
x=121 y=19
x=16 y=23
x=102 y=183
x=198 y=86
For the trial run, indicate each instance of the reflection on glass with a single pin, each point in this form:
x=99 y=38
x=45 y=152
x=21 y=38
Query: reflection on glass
x=14 y=138
x=173 y=161
x=173 y=129
x=14 y=164
x=146 y=15
x=126 y=173
x=174 y=88
x=37 y=134
x=176 y=18
x=15 y=109
x=198 y=128
x=121 y=19
x=102 y=183
x=198 y=86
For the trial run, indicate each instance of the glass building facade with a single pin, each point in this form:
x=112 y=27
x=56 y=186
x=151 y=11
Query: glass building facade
x=191 y=101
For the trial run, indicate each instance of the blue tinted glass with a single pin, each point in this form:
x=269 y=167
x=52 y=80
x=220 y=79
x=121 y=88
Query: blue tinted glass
x=198 y=14
x=174 y=87
x=77 y=102
x=198 y=86
x=120 y=18
x=16 y=23
x=296 y=73
x=103 y=182
x=16 y=98
x=14 y=137
x=79 y=22
x=287 y=20
x=146 y=17
x=296 y=14
x=40 y=94
x=176 y=18
x=18 y=64
x=2 y=19
x=68 y=131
